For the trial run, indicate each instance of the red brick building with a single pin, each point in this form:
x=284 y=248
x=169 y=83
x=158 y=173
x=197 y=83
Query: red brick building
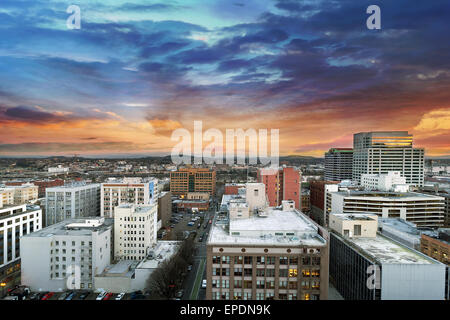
x=281 y=184
x=232 y=188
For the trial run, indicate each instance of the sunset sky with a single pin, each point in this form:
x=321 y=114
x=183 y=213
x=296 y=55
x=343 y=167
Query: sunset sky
x=137 y=70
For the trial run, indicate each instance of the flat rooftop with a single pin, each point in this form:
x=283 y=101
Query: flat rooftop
x=386 y=251
x=162 y=251
x=59 y=229
x=276 y=221
x=386 y=195
x=355 y=217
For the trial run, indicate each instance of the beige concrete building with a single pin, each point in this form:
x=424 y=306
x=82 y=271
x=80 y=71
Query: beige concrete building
x=6 y=197
x=353 y=226
x=25 y=193
x=197 y=196
x=272 y=254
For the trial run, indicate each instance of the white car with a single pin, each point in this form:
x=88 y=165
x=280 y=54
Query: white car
x=204 y=284
x=101 y=295
x=120 y=296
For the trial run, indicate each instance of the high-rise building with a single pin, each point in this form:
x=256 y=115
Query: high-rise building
x=127 y=190
x=135 y=230
x=76 y=200
x=281 y=184
x=338 y=164
x=424 y=210
x=384 y=151
x=15 y=221
x=365 y=265
x=74 y=248
x=192 y=180
x=271 y=253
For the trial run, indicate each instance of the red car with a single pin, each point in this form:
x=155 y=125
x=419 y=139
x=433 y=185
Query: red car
x=48 y=296
x=108 y=296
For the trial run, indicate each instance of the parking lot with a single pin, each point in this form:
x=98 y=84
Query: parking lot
x=174 y=232
x=86 y=295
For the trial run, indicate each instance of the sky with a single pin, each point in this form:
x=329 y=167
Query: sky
x=137 y=70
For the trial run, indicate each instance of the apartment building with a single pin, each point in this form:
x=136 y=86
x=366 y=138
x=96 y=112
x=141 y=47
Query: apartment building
x=136 y=191
x=437 y=245
x=441 y=192
x=6 y=197
x=421 y=209
x=381 y=152
x=365 y=265
x=42 y=185
x=192 y=180
x=76 y=200
x=66 y=255
x=15 y=222
x=338 y=164
x=25 y=193
x=281 y=184
x=164 y=208
x=270 y=254
x=135 y=230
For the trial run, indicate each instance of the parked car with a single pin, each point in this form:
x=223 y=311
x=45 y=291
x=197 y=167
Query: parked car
x=137 y=295
x=48 y=296
x=189 y=268
x=190 y=224
x=108 y=296
x=63 y=296
x=204 y=284
x=34 y=296
x=120 y=296
x=83 y=295
x=205 y=226
x=71 y=295
x=101 y=295
x=200 y=239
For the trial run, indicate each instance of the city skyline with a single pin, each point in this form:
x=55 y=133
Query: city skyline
x=137 y=70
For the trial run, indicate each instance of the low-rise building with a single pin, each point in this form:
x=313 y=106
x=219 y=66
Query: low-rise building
x=365 y=265
x=6 y=197
x=66 y=255
x=391 y=181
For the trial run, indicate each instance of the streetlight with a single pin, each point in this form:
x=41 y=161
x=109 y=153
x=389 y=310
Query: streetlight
x=3 y=285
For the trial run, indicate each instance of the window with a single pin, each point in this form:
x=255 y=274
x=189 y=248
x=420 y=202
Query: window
x=248 y=260
x=293 y=273
x=238 y=271
x=357 y=230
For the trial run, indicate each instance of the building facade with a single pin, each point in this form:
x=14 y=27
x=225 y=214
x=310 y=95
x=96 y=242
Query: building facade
x=365 y=265
x=381 y=152
x=15 y=221
x=273 y=254
x=135 y=230
x=128 y=190
x=192 y=180
x=25 y=193
x=77 y=200
x=281 y=184
x=77 y=249
x=421 y=209
x=338 y=164
x=391 y=181
x=164 y=208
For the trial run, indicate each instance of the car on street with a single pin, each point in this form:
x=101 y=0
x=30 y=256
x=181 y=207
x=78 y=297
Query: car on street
x=189 y=268
x=34 y=296
x=179 y=294
x=200 y=239
x=205 y=226
x=101 y=295
x=48 y=296
x=204 y=284
x=120 y=296
x=190 y=224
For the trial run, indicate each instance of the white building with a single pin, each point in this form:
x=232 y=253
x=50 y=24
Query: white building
x=15 y=221
x=381 y=152
x=76 y=249
x=391 y=181
x=130 y=275
x=422 y=209
x=58 y=169
x=127 y=190
x=135 y=230
x=77 y=200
